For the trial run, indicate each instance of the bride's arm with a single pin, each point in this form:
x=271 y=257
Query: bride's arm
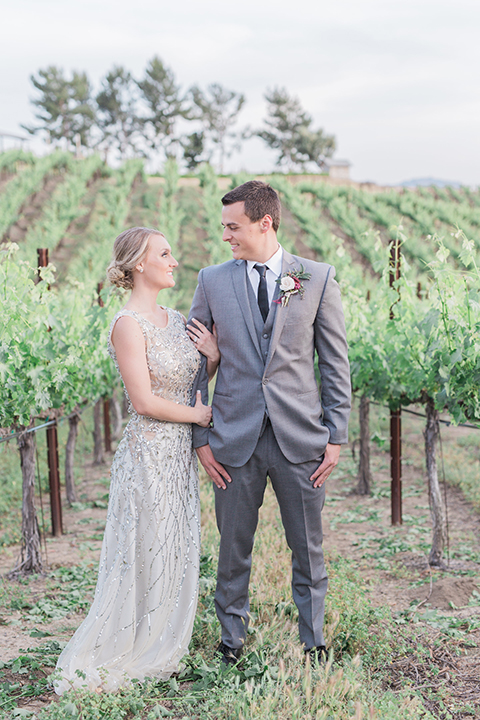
x=129 y=343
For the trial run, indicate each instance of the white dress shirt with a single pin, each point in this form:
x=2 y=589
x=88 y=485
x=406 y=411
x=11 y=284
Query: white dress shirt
x=274 y=269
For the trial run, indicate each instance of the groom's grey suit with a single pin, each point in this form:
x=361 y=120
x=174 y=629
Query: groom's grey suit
x=268 y=420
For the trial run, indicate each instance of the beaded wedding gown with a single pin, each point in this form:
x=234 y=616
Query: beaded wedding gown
x=141 y=619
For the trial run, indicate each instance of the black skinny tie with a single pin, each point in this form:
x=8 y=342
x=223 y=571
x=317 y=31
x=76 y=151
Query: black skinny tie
x=262 y=296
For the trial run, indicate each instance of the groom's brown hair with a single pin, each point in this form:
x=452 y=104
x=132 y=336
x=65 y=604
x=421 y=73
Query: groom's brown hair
x=260 y=199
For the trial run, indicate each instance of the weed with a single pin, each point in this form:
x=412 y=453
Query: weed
x=466 y=552
x=356 y=515
x=27 y=675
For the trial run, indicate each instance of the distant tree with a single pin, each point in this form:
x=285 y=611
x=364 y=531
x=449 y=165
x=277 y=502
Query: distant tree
x=194 y=150
x=117 y=117
x=165 y=105
x=315 y=146
x=218 y=109
x=289 y=131
x=65 y=109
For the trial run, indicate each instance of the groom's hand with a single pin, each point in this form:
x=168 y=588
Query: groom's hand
x=330 y=461
x=213 y=468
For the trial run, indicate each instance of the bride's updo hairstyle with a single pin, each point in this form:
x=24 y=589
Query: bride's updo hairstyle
x=129 y=249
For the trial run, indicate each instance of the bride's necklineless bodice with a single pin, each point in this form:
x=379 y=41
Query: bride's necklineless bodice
x=172 y=359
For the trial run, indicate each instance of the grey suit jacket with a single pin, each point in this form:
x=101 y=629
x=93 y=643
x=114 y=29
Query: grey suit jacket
x=304 y=418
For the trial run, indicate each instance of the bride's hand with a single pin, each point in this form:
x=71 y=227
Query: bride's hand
x=205 y=341
x=203 y=413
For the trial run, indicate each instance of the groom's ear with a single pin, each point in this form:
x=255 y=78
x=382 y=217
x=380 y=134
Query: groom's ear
x=266 y=223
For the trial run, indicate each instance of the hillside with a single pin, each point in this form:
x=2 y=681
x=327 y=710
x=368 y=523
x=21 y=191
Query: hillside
x=404 y=635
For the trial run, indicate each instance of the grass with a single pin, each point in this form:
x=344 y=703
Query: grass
x=271 y=682
x=11 y=477
x=465 y=475
x=383 y=664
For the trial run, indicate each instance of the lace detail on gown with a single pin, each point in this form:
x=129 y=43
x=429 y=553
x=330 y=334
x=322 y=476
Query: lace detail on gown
x=141 y=619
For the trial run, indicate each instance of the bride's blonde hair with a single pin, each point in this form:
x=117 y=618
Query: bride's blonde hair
x=129 y=249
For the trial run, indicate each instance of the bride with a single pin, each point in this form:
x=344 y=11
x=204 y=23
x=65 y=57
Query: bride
x=141 y=619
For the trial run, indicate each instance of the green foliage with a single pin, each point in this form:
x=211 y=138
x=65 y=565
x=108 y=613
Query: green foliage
x=193 y=146
x=169 y=222
x=165 y=105
x=389 y=356
x=426 y=218
x=427 y=349
x=69 y=590
x=31 y=372
x=107 y=221
x=465 y=475
x=218 y=108
x=170 y=217
x=10 y=160
x=52 y=345
x=26 y=182
x=288 y=130
x=268 y=683
x=117 y=117
x=26 y=676
x=62 y=209
x=211 y=200
x=64 y=107
x=319 y=237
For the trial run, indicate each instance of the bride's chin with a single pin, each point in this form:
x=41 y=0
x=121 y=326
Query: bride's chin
x=166 y=280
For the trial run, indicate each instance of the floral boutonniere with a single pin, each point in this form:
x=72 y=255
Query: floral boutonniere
x=291 y=283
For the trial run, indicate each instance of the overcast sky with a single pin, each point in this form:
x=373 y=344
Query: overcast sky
x=396 y=81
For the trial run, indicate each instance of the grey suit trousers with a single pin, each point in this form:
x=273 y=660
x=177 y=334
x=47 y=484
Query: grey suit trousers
x=237 y=517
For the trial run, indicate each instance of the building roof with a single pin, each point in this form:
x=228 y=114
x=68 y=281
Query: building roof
x=334 y=162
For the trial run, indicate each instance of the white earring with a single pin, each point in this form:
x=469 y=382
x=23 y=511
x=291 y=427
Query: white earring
x=140 y=269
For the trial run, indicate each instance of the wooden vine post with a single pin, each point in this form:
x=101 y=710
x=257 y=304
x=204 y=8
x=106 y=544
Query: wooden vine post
x=54 y=480
x=106 y=425
x=52 y=449
x=395 y=415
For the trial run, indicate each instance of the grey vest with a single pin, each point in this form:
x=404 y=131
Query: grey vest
x=264 y=329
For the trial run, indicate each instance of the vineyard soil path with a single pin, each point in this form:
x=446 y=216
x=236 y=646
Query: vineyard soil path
x=357 y=528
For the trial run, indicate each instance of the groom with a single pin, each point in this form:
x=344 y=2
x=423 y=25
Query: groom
x=269 y=416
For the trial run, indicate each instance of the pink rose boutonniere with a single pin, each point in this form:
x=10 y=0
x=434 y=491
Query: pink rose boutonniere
x=291 y=283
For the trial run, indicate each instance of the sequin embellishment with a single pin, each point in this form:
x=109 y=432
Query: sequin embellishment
x=141 y=619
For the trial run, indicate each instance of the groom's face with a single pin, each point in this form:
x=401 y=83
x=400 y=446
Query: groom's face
x=246 y=238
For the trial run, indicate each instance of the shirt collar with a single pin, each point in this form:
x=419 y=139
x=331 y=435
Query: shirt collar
x=274 y=263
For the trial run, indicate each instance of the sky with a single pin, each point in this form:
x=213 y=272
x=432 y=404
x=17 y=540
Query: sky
x=396 y=81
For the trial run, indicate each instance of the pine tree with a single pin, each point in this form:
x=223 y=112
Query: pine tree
x=218 y=110
x=118 y=119
x=193 y=150
x=164 y=105
x=64 y=107
x=289 y=131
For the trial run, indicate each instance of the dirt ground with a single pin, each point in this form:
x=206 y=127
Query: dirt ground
x=351 y=523
x=393 y=587
x=393 y=562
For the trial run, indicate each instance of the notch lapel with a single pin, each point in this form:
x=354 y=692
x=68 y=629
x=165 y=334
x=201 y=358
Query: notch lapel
x=281 y=313
x=239 y=282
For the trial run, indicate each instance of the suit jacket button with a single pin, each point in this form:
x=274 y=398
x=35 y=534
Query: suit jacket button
x=264 y=381
x=265 y=335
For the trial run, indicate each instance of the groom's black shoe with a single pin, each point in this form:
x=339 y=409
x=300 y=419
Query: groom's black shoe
x=318 y=655
x=229 y=656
